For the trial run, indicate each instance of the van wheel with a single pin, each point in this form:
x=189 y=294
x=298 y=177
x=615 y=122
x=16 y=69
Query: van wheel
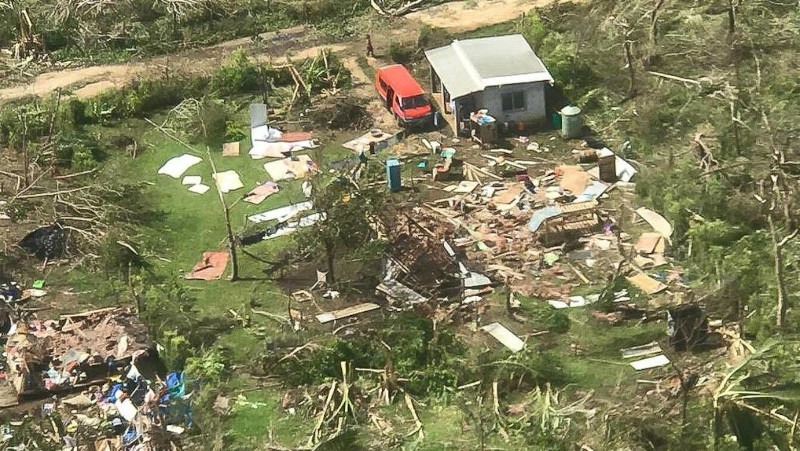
x=398 y=121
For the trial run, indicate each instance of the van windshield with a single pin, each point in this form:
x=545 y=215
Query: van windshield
x=413 y=102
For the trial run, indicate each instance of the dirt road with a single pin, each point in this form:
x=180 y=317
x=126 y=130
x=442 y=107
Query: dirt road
x=455 y=16
x=469 y=15
x=95 y=79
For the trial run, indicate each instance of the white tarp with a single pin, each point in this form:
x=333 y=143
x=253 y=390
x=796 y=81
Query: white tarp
x=264 y=133
x=228 y=181
x=292 y=227
x=280 y=213
x=192 y=180
x=199 y=188
x=281 y=149
x=175 y=167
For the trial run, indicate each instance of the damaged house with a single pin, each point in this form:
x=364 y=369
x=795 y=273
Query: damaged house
x=75 y=351
x=501 y=74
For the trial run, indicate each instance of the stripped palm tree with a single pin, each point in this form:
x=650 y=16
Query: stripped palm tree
x=736 y=396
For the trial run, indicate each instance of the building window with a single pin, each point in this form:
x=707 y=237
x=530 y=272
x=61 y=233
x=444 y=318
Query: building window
x=514 y=101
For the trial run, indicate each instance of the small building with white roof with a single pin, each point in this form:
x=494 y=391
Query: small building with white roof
x=500 y=73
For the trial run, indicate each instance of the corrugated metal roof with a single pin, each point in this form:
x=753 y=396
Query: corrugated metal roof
x=473 y=64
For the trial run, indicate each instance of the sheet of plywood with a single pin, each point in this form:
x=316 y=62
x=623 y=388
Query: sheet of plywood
x=210 y=267
x=347 y=312
x=574 y=179
x=228 y=181
x=508 y=195
x=646 y=283
x=289 y=168
x=504 y=336
x=230 y=149
x=649 y=243
x=650 y=362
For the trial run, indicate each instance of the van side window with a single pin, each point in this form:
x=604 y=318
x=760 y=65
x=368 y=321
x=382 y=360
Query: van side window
x=383 y=84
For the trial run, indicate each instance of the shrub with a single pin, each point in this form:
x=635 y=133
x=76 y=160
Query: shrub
x=237 y=74
x=400 y=54
x=431 y=37
x=545 y=316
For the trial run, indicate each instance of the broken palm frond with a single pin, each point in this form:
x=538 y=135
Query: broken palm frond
x=418 y=423
x=344 y=412
x=546 y=412
x=733 y=390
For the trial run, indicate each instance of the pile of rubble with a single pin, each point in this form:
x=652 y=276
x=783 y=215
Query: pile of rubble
x=75 y=351
x=107 y=354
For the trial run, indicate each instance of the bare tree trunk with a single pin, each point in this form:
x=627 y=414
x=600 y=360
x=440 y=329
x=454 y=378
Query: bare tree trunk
x=330 y=256
x=228 y=228
x=25 y=156
x=654 y=21
x=731 y=17
x=777 y=249
x=631 y=69
x=54 y=116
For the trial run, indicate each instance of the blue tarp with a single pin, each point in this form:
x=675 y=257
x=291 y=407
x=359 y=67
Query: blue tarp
x=539 y=216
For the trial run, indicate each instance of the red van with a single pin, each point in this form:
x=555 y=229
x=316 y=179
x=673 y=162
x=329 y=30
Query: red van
x=403 y=96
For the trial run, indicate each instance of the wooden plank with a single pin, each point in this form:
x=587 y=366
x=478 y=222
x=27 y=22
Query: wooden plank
x=641 y=351
x=504 y=336
x=578 y=207
x=650 y=362
x=646 y=283
x=84 y=314
x=347 y=312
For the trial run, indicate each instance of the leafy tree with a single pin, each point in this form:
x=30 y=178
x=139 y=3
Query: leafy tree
x=348 y=218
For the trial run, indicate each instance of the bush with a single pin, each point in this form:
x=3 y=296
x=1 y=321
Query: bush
x=545 y=316
x=428 y=358
x=77 y=152
x=237 y=74
x=431 y=37
x=400 y=54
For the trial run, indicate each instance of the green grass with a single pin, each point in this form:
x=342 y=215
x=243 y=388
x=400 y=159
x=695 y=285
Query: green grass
x=189 y=224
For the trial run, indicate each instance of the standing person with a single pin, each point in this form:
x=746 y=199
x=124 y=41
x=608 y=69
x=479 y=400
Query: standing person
x=370 y=49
